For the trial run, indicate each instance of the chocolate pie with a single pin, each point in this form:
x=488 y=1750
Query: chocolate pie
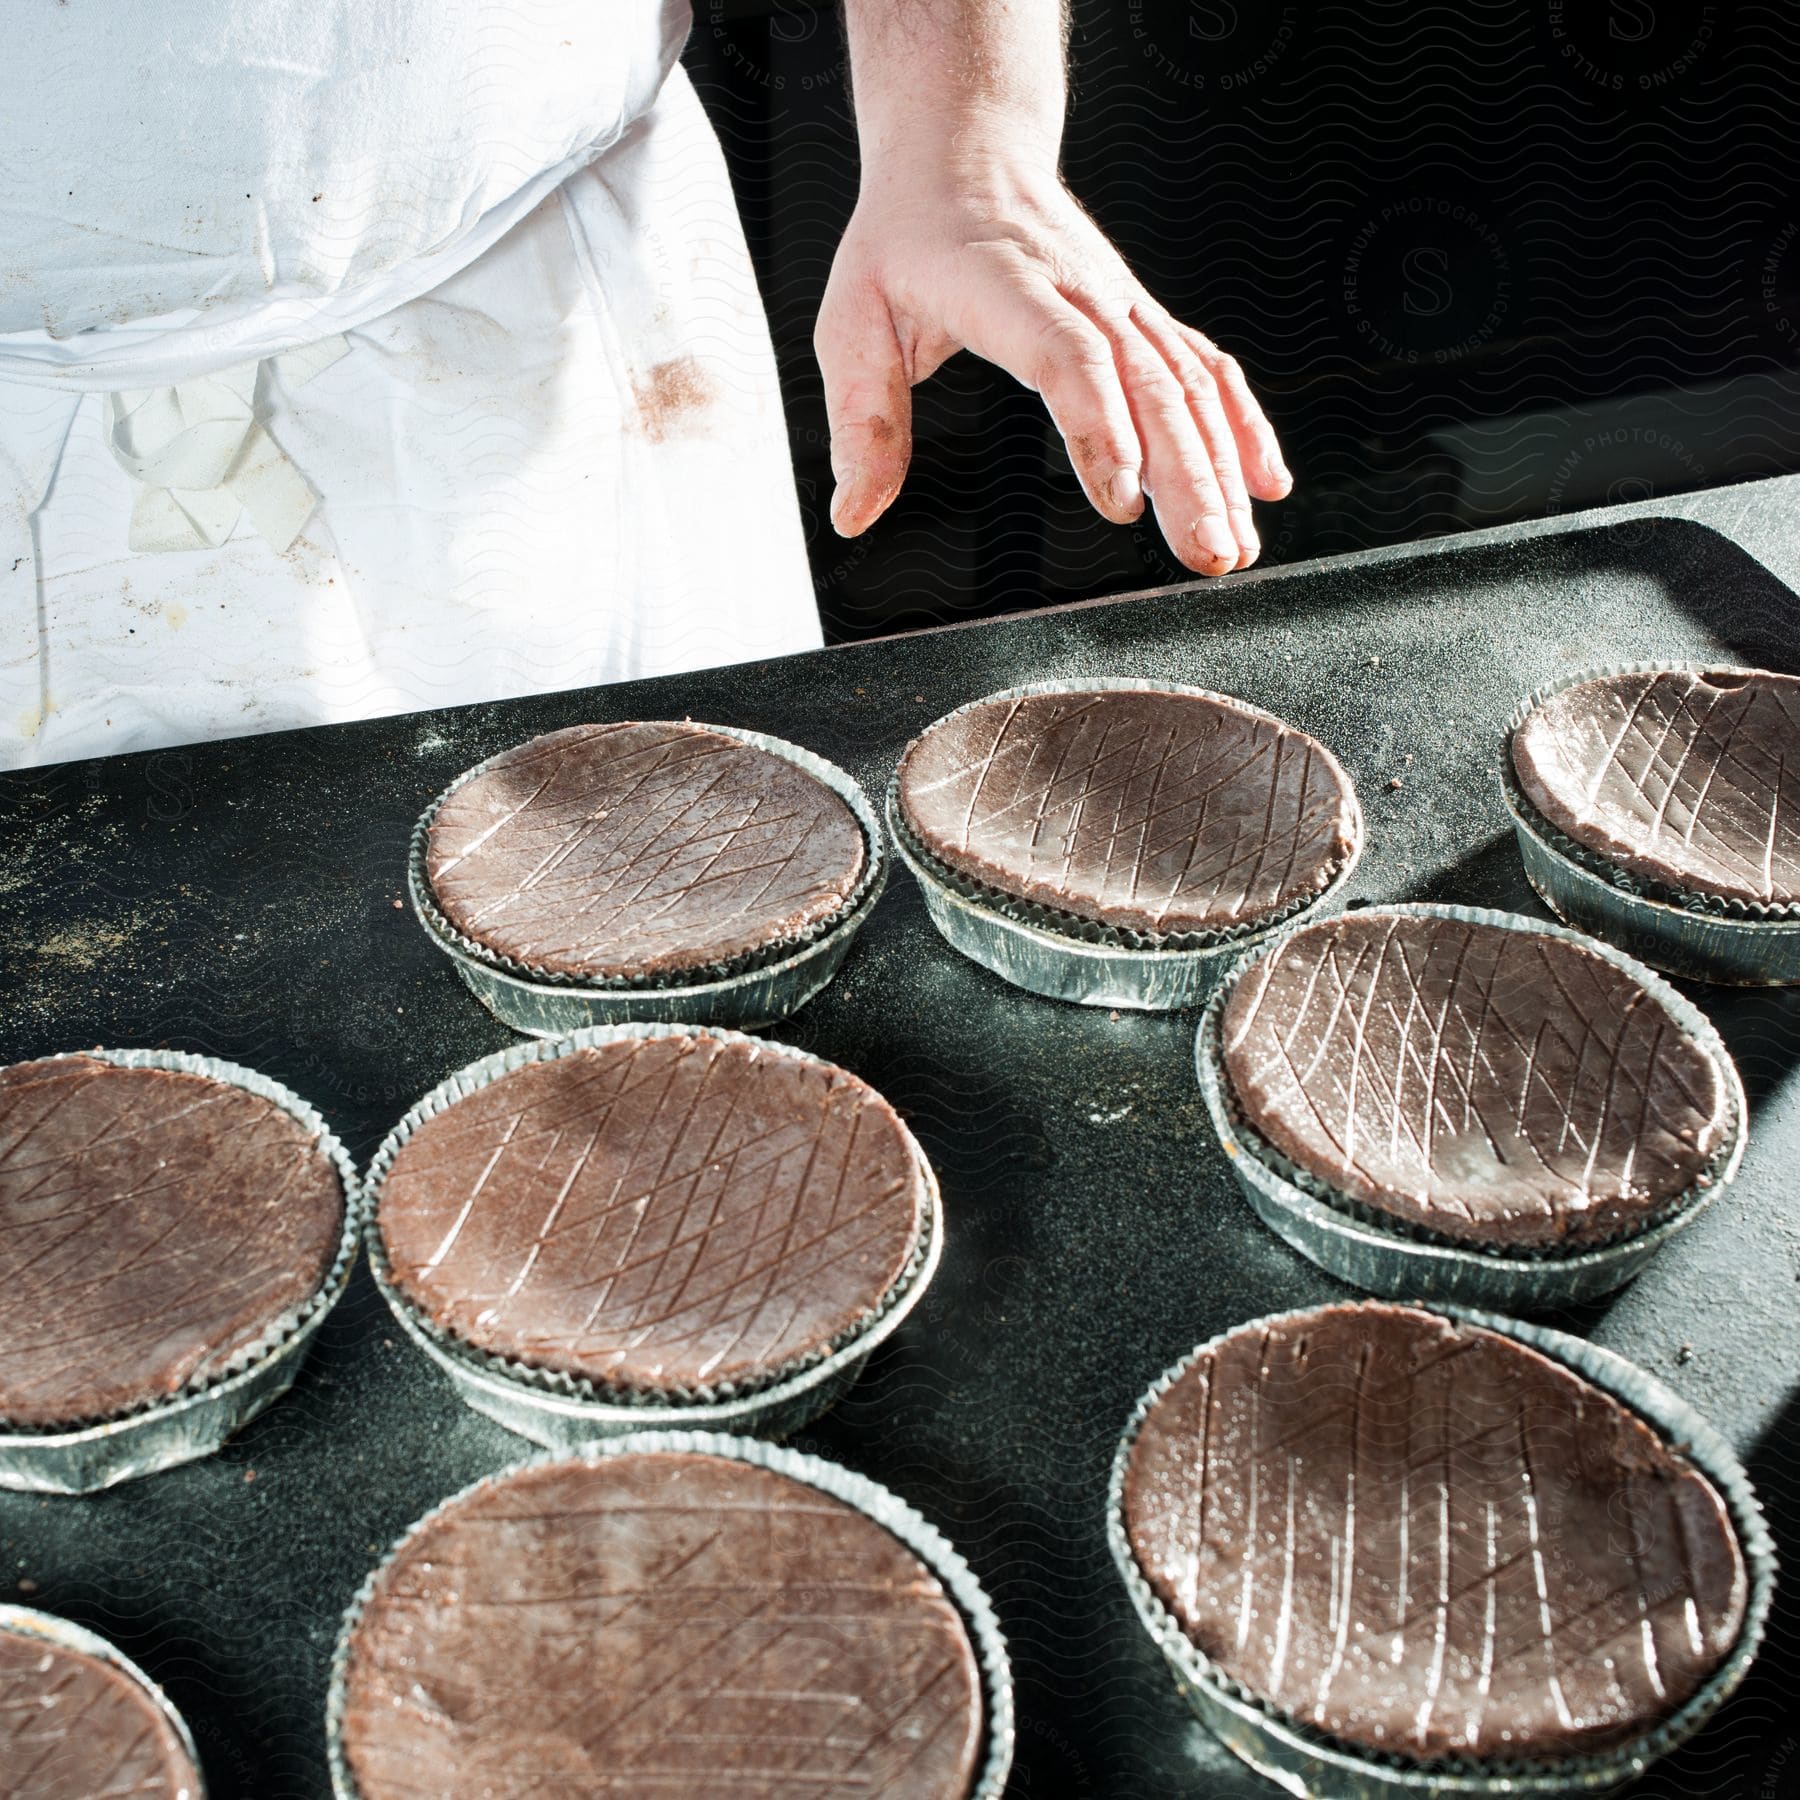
x=1168 y=814
x=153 y=1225
x=1679 y=779
x=1491 y=1085
x=669 y=1625
x=73 y=1727
x=662 y=1212
x=1425 y=1539
x=641 y=850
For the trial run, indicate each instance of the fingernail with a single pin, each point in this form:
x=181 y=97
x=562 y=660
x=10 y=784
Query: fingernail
x=1278 y=470
x=1214 y=537
x=845 y=487
x=1124 y=492
x=1244 y=523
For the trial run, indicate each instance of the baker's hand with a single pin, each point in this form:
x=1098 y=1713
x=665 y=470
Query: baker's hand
x=1005 y=263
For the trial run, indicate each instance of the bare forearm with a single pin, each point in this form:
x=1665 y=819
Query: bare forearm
x=957 y=80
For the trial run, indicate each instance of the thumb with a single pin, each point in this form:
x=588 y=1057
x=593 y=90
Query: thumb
x=868 y=402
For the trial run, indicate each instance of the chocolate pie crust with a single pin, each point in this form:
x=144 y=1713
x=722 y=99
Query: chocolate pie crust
x=665 y=1624
x=1492 y=1086
x=641 y=850
x=73 y=1726
x=153 y=1225
x=1427 y=1540
x=1172 y=814
x=657 y=1212
x=1678 y=778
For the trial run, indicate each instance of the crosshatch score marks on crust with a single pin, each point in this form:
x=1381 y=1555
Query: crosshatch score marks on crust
x=1681 y=779
x=666 y=1624
x=655 y=1211
x=71 y=1724
x=1424 y=1538
x=1490 y=1084
x=152 y=1224
x=633 y=849
x=1164 y=813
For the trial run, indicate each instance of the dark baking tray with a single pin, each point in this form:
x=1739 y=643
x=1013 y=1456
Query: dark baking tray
x=243 y=899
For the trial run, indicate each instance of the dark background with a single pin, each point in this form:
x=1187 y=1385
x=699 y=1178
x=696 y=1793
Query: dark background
x=1482 y=263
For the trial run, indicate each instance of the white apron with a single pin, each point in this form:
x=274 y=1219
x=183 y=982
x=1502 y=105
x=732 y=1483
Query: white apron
x=357 y=359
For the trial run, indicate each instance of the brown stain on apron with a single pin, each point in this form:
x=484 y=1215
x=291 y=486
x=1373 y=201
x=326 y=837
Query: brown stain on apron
x=670 y=396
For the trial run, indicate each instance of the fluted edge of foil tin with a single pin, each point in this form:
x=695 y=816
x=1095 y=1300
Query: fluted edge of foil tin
x=868 y=1497
x=1299 y=1758
x=1687 y=933
x=562 y=1411
x=756 y=989
x=1345 y=1239
x=1063 y=957
x=60 y=1634
x=83 y=1457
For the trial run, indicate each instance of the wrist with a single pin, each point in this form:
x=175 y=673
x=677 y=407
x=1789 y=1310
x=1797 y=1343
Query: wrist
x=974 y=152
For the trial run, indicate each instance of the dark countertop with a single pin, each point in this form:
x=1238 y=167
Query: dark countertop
x=244 y=900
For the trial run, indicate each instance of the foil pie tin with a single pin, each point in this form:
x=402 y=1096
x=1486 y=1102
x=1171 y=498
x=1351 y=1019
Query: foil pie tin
x=1698 y=936
x=82 y=1458
x=1065 y=958
x=1347 y=1241
x=868 y=1497
x=24 y=1621
x=1304 y=1762
x=748 y=992
x=562 y=1411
